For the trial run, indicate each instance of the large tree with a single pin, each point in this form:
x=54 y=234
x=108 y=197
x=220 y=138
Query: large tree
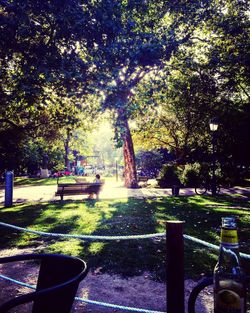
x=135 y=38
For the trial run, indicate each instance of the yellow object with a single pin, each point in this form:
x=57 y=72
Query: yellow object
x=229 y=236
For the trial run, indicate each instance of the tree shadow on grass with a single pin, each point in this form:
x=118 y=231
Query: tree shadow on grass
x=203 y=222
x=44 y=217
x=19 y=215
x=131 y=217
x=120 y=217
x=129 y=257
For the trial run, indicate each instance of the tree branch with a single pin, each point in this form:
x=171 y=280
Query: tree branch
x=5 y=120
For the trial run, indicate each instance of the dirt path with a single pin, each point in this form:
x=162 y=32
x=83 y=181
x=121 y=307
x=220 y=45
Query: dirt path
x=140 y=291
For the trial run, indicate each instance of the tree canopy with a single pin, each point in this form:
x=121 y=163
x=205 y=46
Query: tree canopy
x=167 y=65
x=207 y=77
x=42 y=75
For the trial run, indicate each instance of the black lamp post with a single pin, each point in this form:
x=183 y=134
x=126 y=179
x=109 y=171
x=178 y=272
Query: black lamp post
x=213 y=124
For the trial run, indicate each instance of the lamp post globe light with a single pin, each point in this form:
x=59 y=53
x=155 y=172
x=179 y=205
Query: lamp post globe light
x=213 y=125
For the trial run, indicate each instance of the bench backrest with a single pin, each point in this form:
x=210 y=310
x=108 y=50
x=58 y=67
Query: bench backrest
x=80 y=180
x=81 y=187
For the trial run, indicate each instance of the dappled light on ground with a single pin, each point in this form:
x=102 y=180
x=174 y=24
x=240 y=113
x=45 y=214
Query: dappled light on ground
x=128 y=216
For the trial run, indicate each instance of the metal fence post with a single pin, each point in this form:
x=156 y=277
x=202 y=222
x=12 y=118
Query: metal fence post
x=175 y=267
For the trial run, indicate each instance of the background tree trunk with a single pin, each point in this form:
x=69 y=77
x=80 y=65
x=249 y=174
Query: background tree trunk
x=67 y=150
x=129 y=159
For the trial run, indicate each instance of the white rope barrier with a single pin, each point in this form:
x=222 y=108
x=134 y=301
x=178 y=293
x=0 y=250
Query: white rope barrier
x=210 y=245
x=84 y=237
x=94 y=237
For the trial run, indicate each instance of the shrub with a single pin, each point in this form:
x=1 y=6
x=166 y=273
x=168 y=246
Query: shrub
x=169 y=176
x=191 y=175
x=196 y=173
x=149 y=163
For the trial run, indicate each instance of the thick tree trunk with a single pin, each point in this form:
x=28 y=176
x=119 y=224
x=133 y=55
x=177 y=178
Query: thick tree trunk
x=129 y=159
x=66 y=147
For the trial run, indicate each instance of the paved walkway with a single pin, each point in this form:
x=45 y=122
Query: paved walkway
x=111 y=190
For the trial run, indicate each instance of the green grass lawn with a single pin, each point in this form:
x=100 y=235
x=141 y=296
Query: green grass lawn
x=19 y=181
x=202 y=215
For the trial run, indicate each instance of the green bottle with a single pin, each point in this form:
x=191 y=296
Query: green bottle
x=229 y=278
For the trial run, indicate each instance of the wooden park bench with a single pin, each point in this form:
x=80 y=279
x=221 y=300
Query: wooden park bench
x=78 y=189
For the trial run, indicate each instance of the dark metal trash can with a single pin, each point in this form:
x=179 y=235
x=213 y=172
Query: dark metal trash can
x=175 y=190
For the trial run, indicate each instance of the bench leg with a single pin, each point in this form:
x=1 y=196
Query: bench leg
x=62 y=194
